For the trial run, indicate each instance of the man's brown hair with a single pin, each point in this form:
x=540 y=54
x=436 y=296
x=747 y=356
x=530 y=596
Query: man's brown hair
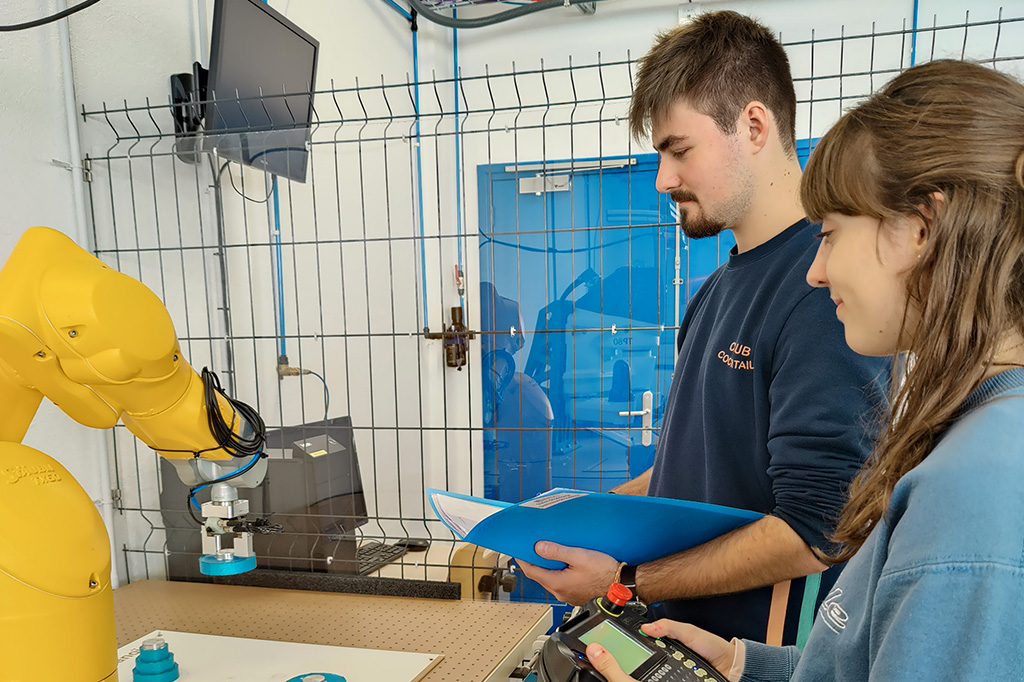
x=718 y=63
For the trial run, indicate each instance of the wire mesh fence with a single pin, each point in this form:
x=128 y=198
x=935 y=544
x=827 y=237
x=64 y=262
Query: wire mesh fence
x=516 y=200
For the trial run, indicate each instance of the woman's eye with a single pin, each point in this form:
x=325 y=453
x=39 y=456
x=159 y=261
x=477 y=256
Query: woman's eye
x=824 y=236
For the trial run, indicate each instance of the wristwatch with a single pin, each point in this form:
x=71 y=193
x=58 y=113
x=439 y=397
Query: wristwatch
x=627 y=576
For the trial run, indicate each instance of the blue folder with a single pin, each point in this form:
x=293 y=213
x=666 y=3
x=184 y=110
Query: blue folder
x=630 y=528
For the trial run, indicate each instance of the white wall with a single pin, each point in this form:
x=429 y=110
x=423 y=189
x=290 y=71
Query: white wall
x=36 y=191
x=124 y=51
x=622 y=28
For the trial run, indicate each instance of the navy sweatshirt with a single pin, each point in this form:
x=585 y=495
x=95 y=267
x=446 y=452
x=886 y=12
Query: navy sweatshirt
x=769 y=410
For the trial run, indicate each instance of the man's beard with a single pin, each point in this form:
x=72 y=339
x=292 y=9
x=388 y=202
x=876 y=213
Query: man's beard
x=700 y=224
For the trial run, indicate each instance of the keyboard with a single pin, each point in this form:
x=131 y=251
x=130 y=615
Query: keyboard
x=372 y=555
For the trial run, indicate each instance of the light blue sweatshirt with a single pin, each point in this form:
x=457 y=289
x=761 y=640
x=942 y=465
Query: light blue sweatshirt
x=937 y=590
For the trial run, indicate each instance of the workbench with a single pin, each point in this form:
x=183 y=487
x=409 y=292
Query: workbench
x=482 y=641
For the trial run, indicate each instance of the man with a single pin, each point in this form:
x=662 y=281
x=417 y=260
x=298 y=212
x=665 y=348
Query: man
x=768 y=407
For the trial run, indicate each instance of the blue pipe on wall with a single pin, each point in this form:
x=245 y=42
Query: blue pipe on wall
x=913 y=35
x=398 y=8
x=279 y=258
x=280 y=274
x=419 y=171
x=458 y=154
x=419 y=156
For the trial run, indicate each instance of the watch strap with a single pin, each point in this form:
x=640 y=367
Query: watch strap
x=627 y=576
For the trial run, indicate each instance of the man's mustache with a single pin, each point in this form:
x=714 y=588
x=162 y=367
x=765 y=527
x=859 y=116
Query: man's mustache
x=679 y=196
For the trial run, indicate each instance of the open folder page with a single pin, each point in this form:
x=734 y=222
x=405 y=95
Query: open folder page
x=630 y=528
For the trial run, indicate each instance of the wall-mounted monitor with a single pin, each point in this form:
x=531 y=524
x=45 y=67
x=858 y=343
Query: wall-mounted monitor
x=259 y=99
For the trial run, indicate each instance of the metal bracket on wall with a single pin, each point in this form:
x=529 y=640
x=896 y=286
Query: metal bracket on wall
x=450 y=335
x=542 y=167
x=86 y=167
x=539 y=184
x=455 y=332
x=456 y=340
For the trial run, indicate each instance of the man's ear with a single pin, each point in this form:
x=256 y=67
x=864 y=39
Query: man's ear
x=754 y=125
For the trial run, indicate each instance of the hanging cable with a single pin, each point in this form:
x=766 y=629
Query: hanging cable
x=241 y=194
x=260 y=526
x=223 y=432
x=424 y=10
x=327 y=393
x=234 y=444
x=50 y=19
x=196 y=488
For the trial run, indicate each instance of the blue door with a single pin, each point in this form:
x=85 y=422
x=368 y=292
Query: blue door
x=578 y=296
x=584 y=277
x=578 y=305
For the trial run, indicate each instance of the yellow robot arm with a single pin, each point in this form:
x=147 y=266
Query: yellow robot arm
x=101 y=346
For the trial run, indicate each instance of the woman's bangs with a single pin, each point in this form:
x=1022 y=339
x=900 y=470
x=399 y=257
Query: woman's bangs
x=841 y=175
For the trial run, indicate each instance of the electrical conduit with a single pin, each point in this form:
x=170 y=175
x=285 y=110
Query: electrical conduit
x=81 y=235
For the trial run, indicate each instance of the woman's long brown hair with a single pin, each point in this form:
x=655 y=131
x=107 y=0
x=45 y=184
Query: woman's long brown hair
x=943 y=141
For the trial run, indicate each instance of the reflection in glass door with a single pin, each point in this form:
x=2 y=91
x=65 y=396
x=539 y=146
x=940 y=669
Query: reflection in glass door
x=579 y=294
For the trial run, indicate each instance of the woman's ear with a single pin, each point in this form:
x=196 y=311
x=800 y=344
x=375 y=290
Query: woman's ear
x=928 y=212
x=921 y=237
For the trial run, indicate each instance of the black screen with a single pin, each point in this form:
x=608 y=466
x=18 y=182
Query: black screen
x=313 y=489
x=256 y=50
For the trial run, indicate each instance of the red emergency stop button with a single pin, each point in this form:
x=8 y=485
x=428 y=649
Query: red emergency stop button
x=619 y=594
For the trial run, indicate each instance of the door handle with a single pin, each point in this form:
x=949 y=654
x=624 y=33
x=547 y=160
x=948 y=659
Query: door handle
x=646 y=423
x=634 y=413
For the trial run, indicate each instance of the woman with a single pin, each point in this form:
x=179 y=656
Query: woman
x=920 y=190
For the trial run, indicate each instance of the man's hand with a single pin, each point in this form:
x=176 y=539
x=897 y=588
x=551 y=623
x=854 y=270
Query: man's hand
x=712 y=648
x=587 y=575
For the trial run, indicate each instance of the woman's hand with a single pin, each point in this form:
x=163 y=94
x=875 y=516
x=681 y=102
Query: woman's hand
x=712 y=648
x=715 y=650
